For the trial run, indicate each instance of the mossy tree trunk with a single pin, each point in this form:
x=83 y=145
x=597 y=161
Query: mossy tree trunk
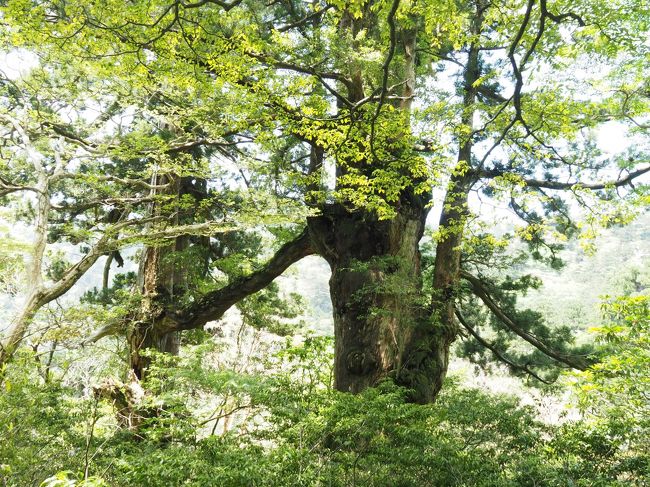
x=376 y=292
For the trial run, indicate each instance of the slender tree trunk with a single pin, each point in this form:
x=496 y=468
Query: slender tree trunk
x=36 y=297
x=19 y=326
x=162 y=282
x=427 y=353
x=39 y=294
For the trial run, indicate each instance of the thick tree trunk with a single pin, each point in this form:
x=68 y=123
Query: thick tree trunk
x=376 y=295
x=145 y=337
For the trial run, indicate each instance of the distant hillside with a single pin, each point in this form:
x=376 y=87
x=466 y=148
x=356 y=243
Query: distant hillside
x=573 y=295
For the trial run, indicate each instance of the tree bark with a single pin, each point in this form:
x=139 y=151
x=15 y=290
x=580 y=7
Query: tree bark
x=161 y=282
x=375 y=289
x=149 y=331
x=382 y=325
x=427 y=352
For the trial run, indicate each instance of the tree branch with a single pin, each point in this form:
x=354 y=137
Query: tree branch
x=7 y=188
x=483 y=295
x=385 y=72
x=299 y=23
x=495 y=351
x=213 y=305
x=224 y=5
x=558 y=185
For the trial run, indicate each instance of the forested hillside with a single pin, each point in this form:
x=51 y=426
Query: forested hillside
x=254 y=242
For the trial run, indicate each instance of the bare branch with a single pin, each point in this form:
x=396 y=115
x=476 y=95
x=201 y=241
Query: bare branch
x=558 y=19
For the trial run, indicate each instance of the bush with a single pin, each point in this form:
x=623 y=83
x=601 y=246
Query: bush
x=298 y=431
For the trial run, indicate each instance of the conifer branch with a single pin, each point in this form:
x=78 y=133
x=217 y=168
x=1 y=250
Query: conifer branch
x=481 y=292
x=497 y=353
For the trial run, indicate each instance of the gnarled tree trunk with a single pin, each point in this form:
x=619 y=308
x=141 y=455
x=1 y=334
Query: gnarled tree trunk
x=161 y=281
x=156 y=280
x=376 y=293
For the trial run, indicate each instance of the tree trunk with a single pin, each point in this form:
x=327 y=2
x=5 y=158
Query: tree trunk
x=149 y=332
x=162 y=282
x=19 y=326
x=376 y=295
x=426 y=356
x=427 y=352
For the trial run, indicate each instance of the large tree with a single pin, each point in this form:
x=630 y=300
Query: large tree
x=399 y=100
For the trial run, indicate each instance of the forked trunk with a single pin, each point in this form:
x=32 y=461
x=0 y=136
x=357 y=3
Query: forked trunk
x=380 y=314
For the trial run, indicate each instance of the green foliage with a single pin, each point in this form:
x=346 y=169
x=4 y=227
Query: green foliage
x=66 y=479
x=294 y=430
x=615 y=391
x=120 y=292
x=270 y=310
x=41 y=424
x=196 y=124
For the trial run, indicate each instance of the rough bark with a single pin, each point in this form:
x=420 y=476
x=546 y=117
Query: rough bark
x=148 y=332
x=375 y=289
x=382 y=326
x=382 y=322
x=161 y=282
x=427 y=352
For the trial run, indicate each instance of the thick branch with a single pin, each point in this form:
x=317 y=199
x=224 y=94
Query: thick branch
x=213 y=305
x=483 y=295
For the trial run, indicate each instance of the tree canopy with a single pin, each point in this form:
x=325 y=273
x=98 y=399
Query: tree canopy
x=184 y=128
